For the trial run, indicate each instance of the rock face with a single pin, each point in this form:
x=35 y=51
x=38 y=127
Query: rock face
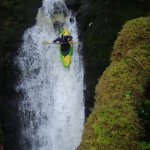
x=73 y=4
x=15 y=17
x=1 y=147
x=99 y=22
x=120 y=93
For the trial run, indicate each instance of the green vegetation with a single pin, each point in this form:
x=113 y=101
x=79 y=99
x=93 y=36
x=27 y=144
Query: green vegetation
x=120 y=93
x=105 y=18
x=144 y=113
x=145 y=145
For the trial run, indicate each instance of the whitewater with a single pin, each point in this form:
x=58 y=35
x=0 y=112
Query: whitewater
x=51 y=107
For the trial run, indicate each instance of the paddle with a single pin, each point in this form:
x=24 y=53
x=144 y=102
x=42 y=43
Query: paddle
x=46 y=42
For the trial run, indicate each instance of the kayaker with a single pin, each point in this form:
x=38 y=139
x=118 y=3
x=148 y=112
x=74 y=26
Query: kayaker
x=64 y=41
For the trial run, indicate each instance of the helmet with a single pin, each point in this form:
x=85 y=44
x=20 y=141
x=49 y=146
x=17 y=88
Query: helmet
x=66 y=32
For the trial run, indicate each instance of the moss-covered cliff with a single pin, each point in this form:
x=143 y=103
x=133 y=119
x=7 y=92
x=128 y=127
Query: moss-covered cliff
x=120 y=93
x=101 y=20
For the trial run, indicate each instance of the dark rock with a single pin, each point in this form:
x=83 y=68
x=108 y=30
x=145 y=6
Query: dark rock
x=73 y=4
x=99 y=21
x=15 y=18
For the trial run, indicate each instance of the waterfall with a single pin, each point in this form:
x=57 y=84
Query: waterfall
x=51 y=107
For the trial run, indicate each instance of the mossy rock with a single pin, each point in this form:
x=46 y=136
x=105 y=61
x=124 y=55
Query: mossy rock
x=134 y=34
x=100 y=21
x=115 y=123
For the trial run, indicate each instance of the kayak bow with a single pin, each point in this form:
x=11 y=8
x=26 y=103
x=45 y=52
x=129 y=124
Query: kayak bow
x=66 y=57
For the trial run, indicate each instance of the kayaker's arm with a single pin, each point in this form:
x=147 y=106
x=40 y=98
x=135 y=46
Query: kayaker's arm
x=57 y=40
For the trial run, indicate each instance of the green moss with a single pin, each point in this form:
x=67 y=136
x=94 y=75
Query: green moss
x=145 y=145
x=101 y=21
x=137 y=33
x=114 y=123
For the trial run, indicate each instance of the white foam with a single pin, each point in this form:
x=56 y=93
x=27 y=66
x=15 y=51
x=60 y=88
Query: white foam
x=52 y=108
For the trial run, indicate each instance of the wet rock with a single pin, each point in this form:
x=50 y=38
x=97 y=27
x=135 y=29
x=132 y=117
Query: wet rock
x=73 y=4
x=1 y=147
x=15 y=18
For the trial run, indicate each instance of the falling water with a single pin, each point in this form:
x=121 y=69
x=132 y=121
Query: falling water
x=51 y=108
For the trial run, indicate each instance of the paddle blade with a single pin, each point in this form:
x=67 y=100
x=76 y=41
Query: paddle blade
x=45 y=43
